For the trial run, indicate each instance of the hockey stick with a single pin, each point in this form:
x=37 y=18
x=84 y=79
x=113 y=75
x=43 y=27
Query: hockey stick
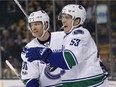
x=13 y=69
x=18 y=4
x=16 y=1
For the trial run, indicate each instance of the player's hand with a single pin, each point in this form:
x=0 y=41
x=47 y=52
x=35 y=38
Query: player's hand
x=38 y=53
x=33 y=54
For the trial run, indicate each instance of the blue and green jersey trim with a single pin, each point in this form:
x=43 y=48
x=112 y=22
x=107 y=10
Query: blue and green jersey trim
x=26 y=81
x=85 y=82
x=93 y=81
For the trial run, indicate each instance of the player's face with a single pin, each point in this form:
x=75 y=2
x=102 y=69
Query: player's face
x=67 y=22
x=37 y=28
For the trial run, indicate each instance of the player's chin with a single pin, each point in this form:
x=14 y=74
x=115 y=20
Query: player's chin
x=35 y=35
x=66 y=30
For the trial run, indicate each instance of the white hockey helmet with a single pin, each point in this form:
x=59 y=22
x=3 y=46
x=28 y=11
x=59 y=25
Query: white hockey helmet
x=76 y=11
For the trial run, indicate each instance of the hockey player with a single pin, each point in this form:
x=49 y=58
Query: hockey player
x=37 y=73
x=79 y=57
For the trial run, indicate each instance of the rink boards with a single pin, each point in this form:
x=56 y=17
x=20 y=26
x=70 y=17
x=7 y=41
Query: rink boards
x=11 y=83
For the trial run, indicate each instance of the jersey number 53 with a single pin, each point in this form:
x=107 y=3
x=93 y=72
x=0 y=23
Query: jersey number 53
x=75 y=42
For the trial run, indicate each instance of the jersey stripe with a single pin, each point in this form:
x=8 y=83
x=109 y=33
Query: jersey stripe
x=85 y=83
x=26 y=81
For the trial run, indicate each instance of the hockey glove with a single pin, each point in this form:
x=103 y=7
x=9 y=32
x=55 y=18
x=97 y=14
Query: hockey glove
x=38 y=53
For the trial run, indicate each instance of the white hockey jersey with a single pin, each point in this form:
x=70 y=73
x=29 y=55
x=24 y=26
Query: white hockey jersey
x=38 y=69
x=84 y=67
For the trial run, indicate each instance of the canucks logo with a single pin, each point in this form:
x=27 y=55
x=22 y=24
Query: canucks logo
x=47 y=44
x=80 y=7
x=52 y=72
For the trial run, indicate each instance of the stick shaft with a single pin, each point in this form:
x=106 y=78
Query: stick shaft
x=18 y=4
x=12 y=68
x=16 y=1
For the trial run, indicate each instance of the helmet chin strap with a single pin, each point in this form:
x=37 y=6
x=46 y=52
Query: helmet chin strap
x=30 y=30
x=73 y=26
x=44 y=31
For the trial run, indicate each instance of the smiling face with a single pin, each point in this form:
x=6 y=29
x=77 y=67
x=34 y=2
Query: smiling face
x=36 y=28
x=67 y=22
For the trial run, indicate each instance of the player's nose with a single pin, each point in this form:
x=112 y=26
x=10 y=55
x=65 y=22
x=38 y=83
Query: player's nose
x=33 y=28
x=64 y=20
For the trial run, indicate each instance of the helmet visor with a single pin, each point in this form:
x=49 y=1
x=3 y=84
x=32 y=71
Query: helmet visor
x=60 y=16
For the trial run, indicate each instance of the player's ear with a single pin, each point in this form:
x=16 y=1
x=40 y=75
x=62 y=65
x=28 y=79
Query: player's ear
x=46 y=25
x=77 y=21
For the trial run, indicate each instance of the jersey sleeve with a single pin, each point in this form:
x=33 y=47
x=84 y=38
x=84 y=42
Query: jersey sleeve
x=30 y=70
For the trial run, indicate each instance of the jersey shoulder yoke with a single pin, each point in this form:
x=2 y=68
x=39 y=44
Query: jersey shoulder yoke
x=75 y=32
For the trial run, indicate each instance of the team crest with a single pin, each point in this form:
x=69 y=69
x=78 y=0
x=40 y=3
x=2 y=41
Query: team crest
x=50 y=72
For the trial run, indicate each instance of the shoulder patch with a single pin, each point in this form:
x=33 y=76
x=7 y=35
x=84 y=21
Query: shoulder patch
x=78 y=32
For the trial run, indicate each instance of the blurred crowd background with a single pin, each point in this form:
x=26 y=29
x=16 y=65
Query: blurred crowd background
x=14 y=33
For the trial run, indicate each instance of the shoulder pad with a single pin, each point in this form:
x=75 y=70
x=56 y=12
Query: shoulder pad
x=78 y=32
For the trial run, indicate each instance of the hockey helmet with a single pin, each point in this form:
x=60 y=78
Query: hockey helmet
x=76 y=11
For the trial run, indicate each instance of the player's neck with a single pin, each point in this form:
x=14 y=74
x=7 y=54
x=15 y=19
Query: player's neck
x=45 y=37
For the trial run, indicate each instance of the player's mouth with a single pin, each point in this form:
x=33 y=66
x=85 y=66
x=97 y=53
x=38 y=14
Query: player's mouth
x=65 y=26
x=35 y=31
